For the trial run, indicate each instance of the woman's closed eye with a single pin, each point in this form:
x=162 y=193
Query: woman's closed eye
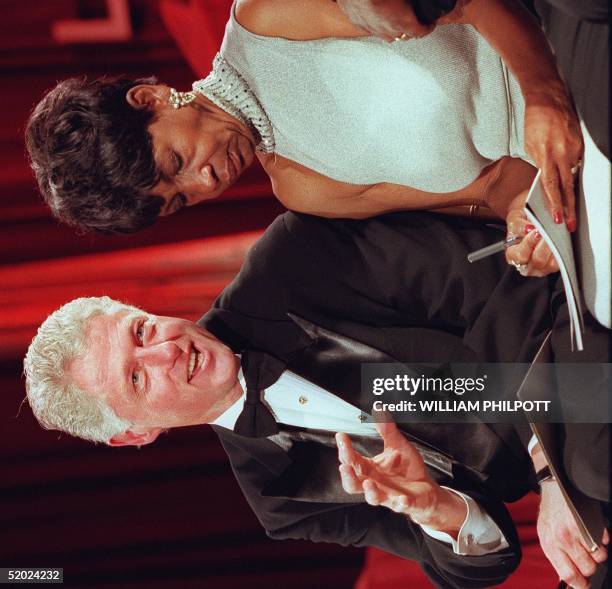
x=178 y=163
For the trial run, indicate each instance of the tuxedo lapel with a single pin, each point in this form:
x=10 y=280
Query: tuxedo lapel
x=332 y=360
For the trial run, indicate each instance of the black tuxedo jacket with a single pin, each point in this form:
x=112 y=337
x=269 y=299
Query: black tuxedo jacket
x=325 y=295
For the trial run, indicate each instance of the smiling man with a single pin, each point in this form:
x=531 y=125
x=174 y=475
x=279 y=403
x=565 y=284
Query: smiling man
x=182 y=376
x=315 y=299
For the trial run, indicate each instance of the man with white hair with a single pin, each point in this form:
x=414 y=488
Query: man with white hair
x=315 y=299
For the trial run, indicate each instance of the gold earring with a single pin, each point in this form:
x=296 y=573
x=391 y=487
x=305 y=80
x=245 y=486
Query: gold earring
x=180 y=99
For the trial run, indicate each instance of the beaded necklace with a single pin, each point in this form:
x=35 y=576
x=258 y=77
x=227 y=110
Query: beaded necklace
x=228 y=90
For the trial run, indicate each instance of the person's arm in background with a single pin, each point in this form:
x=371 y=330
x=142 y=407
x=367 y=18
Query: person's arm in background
x=552 y=132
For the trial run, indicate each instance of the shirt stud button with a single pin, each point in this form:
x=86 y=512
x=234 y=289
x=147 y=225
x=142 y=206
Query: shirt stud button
x=362 y=417
x=303 y=400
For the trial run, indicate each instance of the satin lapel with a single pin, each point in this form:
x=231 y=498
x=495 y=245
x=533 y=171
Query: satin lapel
x=313 y=474
x=332 y=361
x=240 y=332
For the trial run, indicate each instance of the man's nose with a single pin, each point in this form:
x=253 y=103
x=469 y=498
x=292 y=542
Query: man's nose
x=161 y=354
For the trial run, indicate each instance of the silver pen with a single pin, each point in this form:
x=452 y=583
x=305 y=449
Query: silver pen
x=494 y=248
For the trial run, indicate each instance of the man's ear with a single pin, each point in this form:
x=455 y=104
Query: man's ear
x=131 y=438
x=149 y=96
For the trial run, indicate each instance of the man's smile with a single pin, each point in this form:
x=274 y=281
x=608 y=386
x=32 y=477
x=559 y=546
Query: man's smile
x=197 y=361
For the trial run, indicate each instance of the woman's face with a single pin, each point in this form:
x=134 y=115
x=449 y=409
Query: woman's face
x=199 y=150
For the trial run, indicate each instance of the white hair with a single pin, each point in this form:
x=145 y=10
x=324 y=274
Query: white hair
x=55 y=401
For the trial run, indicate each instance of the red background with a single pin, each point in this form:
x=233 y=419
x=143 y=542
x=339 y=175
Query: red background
x=168 y=515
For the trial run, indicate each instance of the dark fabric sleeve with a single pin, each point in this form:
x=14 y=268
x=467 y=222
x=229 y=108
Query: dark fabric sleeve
x=585 y=446
x=579 y=33
x=362 y=525
x=411 y=269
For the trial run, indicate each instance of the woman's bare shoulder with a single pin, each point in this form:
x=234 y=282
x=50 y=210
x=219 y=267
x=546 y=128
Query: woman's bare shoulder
x=296 y=20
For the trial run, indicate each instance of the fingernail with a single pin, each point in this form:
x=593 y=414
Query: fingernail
x=558 y=217
x=571 y=225
x=529 y=227
x=537 y=235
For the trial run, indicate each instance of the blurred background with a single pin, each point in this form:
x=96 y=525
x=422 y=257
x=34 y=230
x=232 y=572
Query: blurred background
x=170 y=514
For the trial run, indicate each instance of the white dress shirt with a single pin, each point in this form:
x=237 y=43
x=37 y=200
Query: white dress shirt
x=298 y=402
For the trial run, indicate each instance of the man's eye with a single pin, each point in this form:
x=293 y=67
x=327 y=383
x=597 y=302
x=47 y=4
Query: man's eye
x=135 y=377
x=140 y=332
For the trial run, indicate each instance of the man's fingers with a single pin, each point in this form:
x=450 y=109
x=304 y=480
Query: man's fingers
x=350 y=482
x=566 y=570
x=390 y=434
x=346 y=452
x=582 y=559
x=348 y=456
x=600 y=555
x=372 y=493
x=377 y=494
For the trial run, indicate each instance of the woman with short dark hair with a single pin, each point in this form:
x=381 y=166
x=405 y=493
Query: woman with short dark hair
x=344 y=124
x=92 y=155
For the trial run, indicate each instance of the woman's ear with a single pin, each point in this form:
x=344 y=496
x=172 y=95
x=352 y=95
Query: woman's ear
x=149 y=96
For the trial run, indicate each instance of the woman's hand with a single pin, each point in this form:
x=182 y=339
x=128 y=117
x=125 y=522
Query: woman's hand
x=531 y=257
x=397 y=479
x=554 y=141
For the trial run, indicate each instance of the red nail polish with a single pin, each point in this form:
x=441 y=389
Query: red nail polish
x=558 y=217
x=529 y=227
x=537 y=235
x=571 y=225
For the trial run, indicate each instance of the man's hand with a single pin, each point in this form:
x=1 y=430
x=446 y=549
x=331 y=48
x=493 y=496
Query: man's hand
x=561 y=540
x=397 y=479
x=389 y=19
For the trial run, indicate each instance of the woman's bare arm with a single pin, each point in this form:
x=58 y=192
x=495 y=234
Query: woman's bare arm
x=301 y=189
x=552 y=132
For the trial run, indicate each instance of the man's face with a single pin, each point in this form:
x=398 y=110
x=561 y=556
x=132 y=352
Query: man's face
x=156 y=372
